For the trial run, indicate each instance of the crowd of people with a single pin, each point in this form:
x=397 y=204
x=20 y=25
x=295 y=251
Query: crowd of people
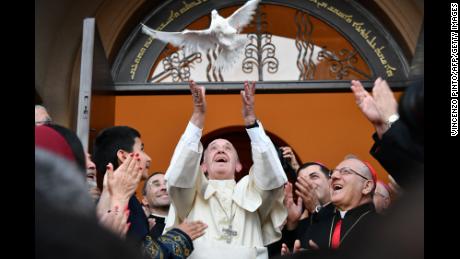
x=86 y=207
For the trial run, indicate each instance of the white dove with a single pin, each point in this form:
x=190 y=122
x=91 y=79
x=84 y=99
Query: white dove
x=223 y=33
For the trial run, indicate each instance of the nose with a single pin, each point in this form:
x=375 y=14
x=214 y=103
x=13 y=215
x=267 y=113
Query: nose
x=148 y=158
x=90 y=165
x=335 y=175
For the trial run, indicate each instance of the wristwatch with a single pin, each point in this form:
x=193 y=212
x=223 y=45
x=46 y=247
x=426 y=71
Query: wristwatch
x=254 y=125
x=392 y=119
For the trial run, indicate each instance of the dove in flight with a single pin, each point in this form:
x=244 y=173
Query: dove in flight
x=222 y=33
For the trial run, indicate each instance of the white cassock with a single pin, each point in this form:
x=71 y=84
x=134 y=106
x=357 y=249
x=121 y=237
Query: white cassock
x=242 y=217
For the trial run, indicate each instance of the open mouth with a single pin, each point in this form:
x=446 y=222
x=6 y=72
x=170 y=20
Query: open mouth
x=91 y=175
x=221 y=159
x=337 y=187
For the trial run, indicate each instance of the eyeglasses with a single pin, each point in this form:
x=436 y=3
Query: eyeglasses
x=345 y=171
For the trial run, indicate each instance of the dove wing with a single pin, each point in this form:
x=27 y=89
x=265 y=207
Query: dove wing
x=191 y=40
x=243 y=16
x=228 y=57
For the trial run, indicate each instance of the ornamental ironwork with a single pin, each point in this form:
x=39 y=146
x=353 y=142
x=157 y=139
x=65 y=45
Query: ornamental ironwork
x=307 y=59
x=340 y=64
x=305 y=47
x=177 y=66
x=212 y=73
x=260 y=51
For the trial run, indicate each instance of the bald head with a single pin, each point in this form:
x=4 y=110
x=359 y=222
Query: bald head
x=363 y=169
x=382 y=198
x=41 y=115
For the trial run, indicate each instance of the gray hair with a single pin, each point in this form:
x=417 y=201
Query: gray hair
x=40 y=106
x=364 y=169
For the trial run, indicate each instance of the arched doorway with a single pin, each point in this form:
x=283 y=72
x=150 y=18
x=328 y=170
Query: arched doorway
x=290 y=41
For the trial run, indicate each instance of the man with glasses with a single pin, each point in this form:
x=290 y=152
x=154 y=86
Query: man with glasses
x=352 y=185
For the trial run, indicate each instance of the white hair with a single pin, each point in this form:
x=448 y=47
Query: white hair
x=38 y=106
x=367 y=172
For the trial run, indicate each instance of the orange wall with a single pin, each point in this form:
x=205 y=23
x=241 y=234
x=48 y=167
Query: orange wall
x=319 y=126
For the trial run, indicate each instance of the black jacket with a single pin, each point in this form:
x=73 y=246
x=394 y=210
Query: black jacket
x=354 y=222
x=157 y=230
x=139 y=225
x=400 y=154
x=318 y=222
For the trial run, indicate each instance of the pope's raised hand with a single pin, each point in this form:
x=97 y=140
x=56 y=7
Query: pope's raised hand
x=247 y=95
x=199 y=104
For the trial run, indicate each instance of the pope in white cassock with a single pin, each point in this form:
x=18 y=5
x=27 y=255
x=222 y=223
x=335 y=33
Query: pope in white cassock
x=242 y=217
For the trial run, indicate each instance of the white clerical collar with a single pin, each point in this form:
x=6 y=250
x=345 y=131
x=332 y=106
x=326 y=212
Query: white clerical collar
x=224 y=187
x=223 y=184
x=159 y=216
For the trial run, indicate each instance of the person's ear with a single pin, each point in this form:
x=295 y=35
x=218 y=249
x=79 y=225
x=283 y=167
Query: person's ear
x=204 y=167
x=369 y=186
x=121 y=155
x=145 y=202
x=386 y=202
x=239 y=167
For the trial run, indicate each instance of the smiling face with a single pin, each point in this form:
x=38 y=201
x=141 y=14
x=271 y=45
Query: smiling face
x=350 y=190
x=221 y=160
x=90 y=169
x=320 y=182
x=155 y=192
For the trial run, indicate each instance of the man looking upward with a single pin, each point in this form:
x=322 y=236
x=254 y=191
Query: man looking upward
x=242 y=217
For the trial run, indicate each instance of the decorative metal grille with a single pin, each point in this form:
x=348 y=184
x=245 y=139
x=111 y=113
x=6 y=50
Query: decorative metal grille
x=176 y=67
x=260 y=44
x=260 y=52
x=341 y=65
x=211 y=72
x=305 y=47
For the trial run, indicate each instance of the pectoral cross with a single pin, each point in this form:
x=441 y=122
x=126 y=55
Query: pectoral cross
x=229 y=234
